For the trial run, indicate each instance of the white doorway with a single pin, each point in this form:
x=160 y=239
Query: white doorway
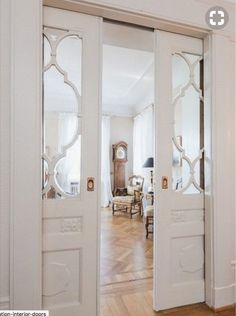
x=179 y=277
x=126 y=257
x=25 y=27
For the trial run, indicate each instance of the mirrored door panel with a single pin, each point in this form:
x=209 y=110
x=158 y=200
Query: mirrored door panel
x=188 y=141
x=62 y=113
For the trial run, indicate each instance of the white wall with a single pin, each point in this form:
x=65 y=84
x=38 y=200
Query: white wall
x=122 y=130
x=20 y=162
x=233 y=263
x=188 y=12
x=223 y=152
x=4 y=155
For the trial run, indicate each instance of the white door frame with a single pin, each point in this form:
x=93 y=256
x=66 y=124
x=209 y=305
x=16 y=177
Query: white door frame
x=25 y=97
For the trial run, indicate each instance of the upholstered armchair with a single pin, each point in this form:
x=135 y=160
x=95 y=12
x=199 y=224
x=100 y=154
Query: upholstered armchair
x=129 y=199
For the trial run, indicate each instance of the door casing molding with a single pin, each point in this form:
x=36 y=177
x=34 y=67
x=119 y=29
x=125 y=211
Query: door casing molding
x=126 y=16
x=25 y=87
x=25 y=102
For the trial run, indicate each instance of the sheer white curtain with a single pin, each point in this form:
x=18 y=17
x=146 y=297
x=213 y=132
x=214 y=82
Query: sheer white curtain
x=69 y=168
x=105 y=174
x=143 y=141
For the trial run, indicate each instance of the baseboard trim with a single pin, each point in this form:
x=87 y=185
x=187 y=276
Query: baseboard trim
x=4 y=303
x=224 y=296
x=224 y=308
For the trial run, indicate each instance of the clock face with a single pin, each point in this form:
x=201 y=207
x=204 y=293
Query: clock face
x=120 y=153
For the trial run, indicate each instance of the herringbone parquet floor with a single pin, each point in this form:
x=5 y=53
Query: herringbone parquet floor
x=125 y=253
x=126 y=271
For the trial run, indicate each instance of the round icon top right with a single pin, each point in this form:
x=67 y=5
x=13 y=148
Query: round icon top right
x=217 y=18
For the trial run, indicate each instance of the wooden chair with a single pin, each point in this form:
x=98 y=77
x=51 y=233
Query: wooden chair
x=148 y=214
x=129 y=199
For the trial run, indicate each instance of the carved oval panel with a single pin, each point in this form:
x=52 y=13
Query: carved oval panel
x=191 y=258
x=57 y=278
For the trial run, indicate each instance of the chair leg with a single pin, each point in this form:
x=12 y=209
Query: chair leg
x=113 y=209
x=141 y=209
x=146 y=225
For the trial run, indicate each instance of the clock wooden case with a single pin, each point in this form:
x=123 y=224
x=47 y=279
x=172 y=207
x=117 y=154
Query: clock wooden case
x=120 y=151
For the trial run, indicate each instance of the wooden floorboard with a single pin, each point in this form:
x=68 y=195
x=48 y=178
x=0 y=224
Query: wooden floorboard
x=127 y=271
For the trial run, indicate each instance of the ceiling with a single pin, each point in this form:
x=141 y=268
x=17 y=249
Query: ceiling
x=128 y=69
x=127 y=80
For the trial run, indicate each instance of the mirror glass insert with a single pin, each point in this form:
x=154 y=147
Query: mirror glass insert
x=187 y=100
x=62 y=113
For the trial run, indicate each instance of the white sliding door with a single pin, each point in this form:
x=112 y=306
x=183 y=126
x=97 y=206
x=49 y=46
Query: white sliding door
x=179 y=238
x=71 y=175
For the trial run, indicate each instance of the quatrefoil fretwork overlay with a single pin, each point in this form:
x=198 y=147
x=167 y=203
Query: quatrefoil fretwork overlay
x=188 y=130
x=62 y=108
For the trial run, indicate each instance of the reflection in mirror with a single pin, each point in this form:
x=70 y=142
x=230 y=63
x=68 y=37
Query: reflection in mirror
x=60 y=110
x=59 y=95
x=188 y=123
x=71 y=46
x=46 y=51
x=54 y=34
x=181 y=175
x=191 y=190
x=45 y=174
x=60 y=130
x=62 y=113
x=51 y=194
x=192 y=58
x=177 y=184
x=68 y=170
x=180 y=73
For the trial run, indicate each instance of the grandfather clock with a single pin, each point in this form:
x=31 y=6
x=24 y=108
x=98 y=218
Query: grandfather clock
x=119 y=160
